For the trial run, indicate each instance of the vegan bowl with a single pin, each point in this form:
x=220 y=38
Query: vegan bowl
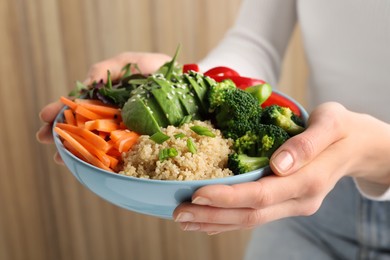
x=147 y=142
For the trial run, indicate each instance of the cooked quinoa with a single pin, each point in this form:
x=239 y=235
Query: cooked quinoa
x=209 y=161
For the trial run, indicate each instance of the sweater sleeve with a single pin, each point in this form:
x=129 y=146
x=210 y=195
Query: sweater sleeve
x=255 y=45
x=373 y=191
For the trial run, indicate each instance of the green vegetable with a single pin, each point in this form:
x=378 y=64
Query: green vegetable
x=261 y=141
x=170 y=68
x=201 y=130
x=191 y=145
x=167 y=153
x=260 y=92
x=179 y=135
x=218 y=93
x=115 y=93
x=242 y=163
x=237 y=112
x=282 y=117
x=159 y=137
x=160 y=102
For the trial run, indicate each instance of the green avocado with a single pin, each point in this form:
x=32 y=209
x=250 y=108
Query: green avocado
x=139 y=117
x=166 y=97
x=161 y=102
x=198 y=88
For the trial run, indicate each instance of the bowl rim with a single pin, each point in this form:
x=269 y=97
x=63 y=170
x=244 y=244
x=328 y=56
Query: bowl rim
x=59 y=145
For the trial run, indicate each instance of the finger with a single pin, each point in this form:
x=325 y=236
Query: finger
x=325 y=127
x=44 y=134
x=99 y=70
x=312 y=180
x=50 y=111
x=147 y=63
x=211 y=219
x=57 y=158
x=259 y=194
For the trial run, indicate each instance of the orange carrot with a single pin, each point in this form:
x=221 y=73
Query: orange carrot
x=69 y=117
x=102 y=110
x=94 y=132
x=126 y=141
x=73 y=151
x=80 y=120
x=102 y=156
x=81 y=149
x=103 y=125
x=93 y=138
x=66 y=101
x=113 y=161
x=87 y=113
x=117 y=134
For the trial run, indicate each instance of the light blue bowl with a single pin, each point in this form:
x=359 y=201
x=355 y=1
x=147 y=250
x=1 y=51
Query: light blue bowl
x=151 y=197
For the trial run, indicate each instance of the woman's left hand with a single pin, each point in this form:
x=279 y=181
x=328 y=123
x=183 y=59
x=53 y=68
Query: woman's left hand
x=336 y=143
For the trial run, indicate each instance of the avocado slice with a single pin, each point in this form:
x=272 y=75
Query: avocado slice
x=199 y=90
x=139 y=117
x=167 y=99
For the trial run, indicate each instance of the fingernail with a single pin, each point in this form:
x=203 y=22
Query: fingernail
x=201 y=201
x=213 y=233
x=190 y=226
x=184 y=217
x=283 y=161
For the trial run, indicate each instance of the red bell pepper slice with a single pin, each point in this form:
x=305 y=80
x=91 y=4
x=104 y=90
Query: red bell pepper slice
x=277 y=99
x=190 y=66
x=221 y=71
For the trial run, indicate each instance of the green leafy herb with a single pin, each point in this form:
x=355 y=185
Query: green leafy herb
x=191 y=145
x=167 y=153
x=179 y=135
x=170 y=67
x=127 y=69
x=78 y=90
x=159 y=137
x=186 y=119
x=201 y=130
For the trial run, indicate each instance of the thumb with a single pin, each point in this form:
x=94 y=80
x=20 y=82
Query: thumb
x=325 y=126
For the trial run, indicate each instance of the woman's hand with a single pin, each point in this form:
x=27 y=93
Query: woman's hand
x=147 y=63
x=336 y=143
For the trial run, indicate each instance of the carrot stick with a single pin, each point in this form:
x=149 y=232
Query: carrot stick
x=93 y=138
x=113 y=161
x=87 y=113
x=69 y=117
x=66 y=101
x=102 y=110
x=126 y=141
x=117 y=134
x=73 y=151
x=102 y=156
x=104 y=125
x=81 y=149
x=80 y=120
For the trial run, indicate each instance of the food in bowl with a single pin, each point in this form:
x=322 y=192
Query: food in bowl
x=198 y=156
x=132 y=126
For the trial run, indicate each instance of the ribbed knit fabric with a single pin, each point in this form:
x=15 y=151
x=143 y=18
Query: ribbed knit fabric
x=347 y=46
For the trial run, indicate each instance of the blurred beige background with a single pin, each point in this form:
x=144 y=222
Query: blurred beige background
x=45 y=46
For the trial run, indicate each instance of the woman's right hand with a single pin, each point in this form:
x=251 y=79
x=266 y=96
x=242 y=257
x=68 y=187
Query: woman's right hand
x=147 y=63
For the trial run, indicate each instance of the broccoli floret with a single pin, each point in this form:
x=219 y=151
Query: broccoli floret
x=261 y=141
x=242 y=163
x=282 y=117
x=238 y=113
x=218 y=92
